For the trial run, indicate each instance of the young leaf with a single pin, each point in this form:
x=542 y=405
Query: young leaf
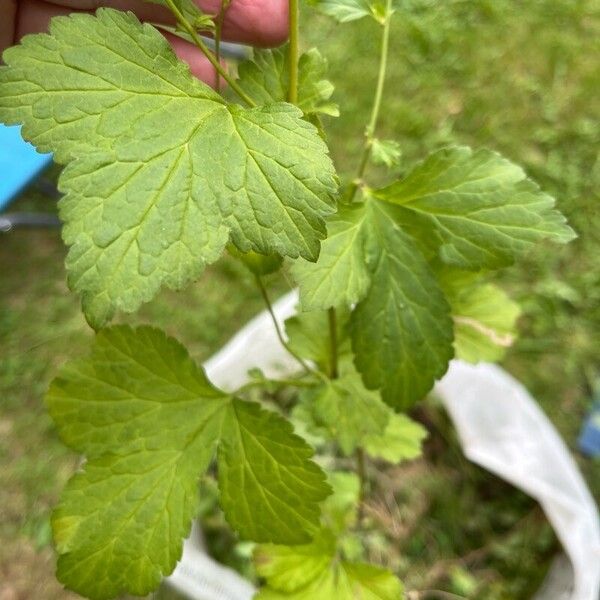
x=340 y=510
x=348 y=411
x=385 y=152
x=265 y=78
x=312 y=573
x=345 y=11
x=401 y=440
x=190 y=11
x=147 y=203
x=485 y=210
x=290 y=568
x=270 y=490
x=149 y=423
x=484 y=322
x=340 y=276
x=401 y=331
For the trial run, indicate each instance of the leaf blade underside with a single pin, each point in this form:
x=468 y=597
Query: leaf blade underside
x=161 y=170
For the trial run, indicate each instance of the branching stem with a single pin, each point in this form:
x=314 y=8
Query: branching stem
x=372 y=125
x=206 y=51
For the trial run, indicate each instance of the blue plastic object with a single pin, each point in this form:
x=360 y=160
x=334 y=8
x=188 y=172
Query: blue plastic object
x=20 y=164
x=589 y=438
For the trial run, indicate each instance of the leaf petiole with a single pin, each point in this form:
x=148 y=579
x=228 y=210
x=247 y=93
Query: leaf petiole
x=219 y=20
x=280 y=336
x=211 y=57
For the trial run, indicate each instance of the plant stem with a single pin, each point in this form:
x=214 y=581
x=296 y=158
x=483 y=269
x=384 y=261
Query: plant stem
x=294 y=50
x=372 y=125
x=218 y=34
x=361 y=471
x=333 y=343
x=211 y=57
x=269 y=305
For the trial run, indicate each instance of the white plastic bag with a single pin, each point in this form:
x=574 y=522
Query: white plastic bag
x=500 y=427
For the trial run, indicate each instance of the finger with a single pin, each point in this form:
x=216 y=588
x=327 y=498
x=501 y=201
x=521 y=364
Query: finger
x=199 y=65
x=256 y=22
x=7 y=24
x=35 y=15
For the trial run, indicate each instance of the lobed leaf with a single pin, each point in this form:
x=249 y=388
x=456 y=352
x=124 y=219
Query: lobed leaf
x=149 y=422
x=385 y=152
x=401 y=330
x=265 y=78
x=484 y=322
x=270 y=490
x=483 y=208
x=402 y=439
x=314 y=573
x=340 y=275
x=348 y=411
x=161 y=170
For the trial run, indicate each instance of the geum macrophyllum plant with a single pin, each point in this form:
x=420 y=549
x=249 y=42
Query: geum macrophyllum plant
x=162 y=174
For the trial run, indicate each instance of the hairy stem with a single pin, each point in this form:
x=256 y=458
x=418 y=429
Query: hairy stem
x=211 y=57
x=280 y=337
x=333 y=344
x=294 y=50
x=372 y=125
x=218 y=34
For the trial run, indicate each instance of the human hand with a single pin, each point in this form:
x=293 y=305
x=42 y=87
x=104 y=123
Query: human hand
x=255 y=22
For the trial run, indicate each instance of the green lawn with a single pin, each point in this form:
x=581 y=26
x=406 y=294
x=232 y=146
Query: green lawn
x=520 y=78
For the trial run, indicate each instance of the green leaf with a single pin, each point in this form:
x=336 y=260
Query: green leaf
x=484 y=322
x=340 y=510
x=348 y=411
x=146 y=204
x=401 y=331
x=402 y=439
x=190 y=11
x=290 y=568
x=484 y=209
x=265 y=78
x=270 y=490
x=369 y=582
x=345 y=11
x=149 y=423
x=312 y=573
x=340 y=276
x=385 y=152
x=308 y=336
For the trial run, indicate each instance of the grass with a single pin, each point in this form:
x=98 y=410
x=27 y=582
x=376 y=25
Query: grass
x=520 y=78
